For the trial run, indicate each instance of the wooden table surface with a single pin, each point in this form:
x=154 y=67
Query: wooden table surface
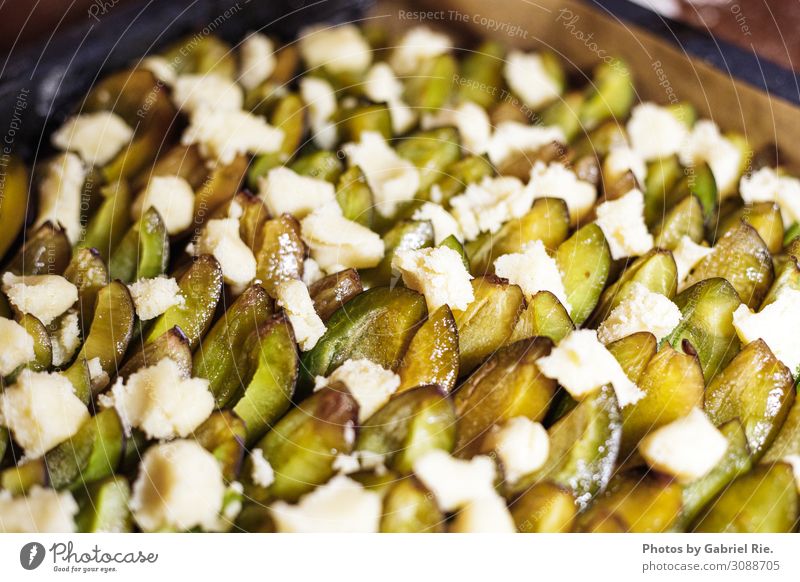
x=768 y=27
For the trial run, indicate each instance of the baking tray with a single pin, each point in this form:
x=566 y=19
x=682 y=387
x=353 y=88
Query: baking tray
x=40 y=84
x=670 y=62
x=746 y=65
